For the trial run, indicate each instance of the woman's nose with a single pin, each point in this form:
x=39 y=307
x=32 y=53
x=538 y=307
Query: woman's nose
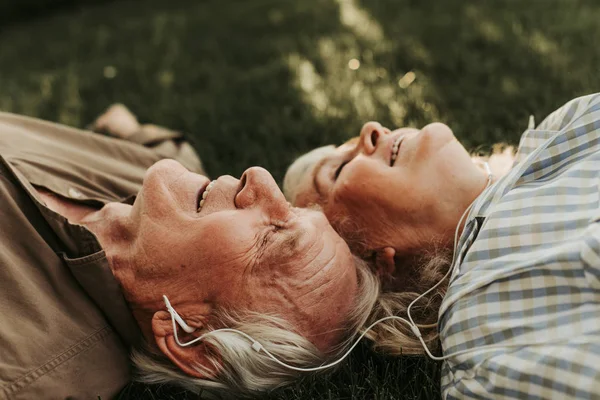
x=258 y=188
x=370 y=134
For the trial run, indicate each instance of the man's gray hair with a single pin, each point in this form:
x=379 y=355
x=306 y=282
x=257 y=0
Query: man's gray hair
x=242 y=369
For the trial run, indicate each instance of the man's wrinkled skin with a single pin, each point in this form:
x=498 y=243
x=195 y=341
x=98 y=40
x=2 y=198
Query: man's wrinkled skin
x=246 y=249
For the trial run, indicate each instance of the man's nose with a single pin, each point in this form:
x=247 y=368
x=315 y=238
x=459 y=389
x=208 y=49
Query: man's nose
x=258 y=188
x=370 y=134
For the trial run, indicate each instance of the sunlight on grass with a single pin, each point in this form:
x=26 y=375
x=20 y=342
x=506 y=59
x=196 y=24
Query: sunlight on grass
x=548 y=51
x=487 y=28
x=542 y=44
x=407 y=79
x=351 y=81
x=359 y=21
x=310 y=83
x=109 y=72
x=70 y=114
x=509 y=86
x=46 y=85
x=165 y=79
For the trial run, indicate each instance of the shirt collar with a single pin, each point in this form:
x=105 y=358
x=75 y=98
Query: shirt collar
x=87 y=262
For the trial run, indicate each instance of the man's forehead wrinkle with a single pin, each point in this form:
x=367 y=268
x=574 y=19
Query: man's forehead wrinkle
x=322 y=277
x=291 y=252
x=316 y=241
x=277 y=288
x=317 y=281
x=302 y=312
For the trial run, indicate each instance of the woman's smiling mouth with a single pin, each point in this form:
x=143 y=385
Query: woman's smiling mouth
x=396 y=148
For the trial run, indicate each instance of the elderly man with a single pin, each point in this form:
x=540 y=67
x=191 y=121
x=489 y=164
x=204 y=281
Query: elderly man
x=95 y=230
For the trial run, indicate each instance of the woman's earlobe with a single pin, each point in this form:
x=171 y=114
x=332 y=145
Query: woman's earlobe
x=385 y=264
x=197 y=360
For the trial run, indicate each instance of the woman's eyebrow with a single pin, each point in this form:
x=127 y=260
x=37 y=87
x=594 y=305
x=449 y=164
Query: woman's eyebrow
x=316 y=170
x=347 y=154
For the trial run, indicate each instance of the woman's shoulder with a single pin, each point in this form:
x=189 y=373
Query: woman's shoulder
x=570 y=112
x=562 y=119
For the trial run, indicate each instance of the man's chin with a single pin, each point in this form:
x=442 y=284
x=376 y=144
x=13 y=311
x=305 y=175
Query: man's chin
x=114 y=214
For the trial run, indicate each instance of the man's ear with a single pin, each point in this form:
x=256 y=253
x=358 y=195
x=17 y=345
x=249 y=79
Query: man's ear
x=385 y=265
x=188 y=358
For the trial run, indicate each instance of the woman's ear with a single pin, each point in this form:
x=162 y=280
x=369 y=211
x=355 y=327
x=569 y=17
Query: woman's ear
x=385 y=264
x=396 y=273
x=194 y=360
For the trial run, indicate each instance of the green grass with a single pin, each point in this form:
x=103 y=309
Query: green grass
x=259 y=82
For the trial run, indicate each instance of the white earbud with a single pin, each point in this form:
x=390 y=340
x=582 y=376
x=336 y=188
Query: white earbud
x=177 y=317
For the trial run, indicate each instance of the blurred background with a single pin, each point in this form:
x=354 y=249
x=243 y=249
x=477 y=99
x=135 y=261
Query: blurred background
x=258 y=82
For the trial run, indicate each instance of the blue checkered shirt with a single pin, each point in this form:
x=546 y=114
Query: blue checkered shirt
x=528 y=277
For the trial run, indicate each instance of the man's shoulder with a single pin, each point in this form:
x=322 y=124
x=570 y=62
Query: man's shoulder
x=55 y=340
x=71 y=162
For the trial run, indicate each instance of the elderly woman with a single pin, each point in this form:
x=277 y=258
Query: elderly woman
x=96 y=230
x=521 y=314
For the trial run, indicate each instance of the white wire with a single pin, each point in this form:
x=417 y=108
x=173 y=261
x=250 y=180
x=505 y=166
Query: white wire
x=257 y=346
x=414 y=326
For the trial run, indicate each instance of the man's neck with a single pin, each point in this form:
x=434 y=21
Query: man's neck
x=74 y=212
x=103 y=223
x=106 y=223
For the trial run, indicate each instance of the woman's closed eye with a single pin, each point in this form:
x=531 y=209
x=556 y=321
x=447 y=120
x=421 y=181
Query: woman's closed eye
x=339 y=170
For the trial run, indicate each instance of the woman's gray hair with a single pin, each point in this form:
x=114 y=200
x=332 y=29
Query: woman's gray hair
x=299 y=171
x=244 y=370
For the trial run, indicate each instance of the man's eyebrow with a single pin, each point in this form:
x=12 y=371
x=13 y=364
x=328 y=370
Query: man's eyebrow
x=291 y=241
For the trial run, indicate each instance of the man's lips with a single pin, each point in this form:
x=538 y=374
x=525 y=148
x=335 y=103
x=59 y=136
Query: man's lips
x=227 y=188
x=200 y=193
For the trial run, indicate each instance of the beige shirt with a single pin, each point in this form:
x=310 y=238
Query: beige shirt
x=65 y=328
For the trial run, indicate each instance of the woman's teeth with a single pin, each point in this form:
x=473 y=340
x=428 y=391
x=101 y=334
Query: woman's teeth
x=395 y=148
x=205 y=194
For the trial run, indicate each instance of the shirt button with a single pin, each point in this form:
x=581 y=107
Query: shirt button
x=75 y=193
